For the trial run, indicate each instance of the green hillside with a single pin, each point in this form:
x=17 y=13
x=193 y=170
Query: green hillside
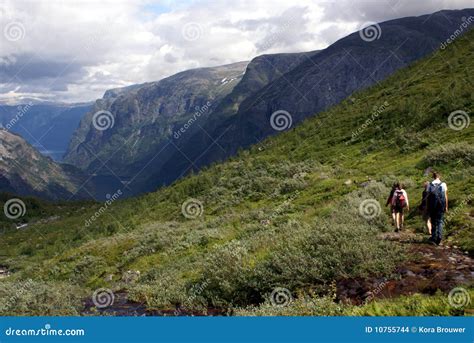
x=286 y=213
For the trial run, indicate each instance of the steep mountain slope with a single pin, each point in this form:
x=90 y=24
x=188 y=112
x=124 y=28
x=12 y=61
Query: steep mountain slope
x=147 y=153
x=352 y=63
x=297 y=215
x=145 y=117
x=173 y=162
x=24 y=171
x=46 y=126
x=261 y=71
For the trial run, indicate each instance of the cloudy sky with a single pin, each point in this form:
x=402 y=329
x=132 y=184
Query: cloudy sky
x=74 y=50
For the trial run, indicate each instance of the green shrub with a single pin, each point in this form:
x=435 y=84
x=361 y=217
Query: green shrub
x=414 y=305
x=36 y=298
x=450 y=154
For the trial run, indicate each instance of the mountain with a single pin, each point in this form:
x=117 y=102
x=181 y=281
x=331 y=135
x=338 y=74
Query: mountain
x=25 y=171
x=45 y=125
x=145 y=117
x=147 y=149
x=298 y=216
x=203 y=95
x=319 y=82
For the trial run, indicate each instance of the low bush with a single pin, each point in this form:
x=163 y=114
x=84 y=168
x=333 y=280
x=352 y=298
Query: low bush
x=450 y=154
x=35 y=298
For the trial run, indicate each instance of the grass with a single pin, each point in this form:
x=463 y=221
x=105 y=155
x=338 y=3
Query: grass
x=284 y=213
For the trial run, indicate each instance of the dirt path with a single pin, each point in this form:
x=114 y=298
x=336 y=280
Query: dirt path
x=122 y=306
x=431 y=268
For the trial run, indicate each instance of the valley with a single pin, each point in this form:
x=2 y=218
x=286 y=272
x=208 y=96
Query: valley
x=298 y=215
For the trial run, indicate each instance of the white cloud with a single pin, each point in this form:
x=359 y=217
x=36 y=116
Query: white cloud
x=75 y=50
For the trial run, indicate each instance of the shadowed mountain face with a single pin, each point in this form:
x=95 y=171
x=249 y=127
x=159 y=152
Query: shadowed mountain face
x=143 y=119
x=25 y=171
x=46 y=126
x=318 y=82
x=165 y=129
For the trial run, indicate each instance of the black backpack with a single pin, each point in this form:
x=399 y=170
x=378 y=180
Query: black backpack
x=436 y=198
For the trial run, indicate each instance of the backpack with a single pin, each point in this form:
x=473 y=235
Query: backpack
x=436 y=198
x=399 y=199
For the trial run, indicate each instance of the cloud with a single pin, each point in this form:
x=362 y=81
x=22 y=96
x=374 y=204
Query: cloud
x=75 y=50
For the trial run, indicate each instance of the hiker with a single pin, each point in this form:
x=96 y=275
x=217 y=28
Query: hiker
x=424 y=207
x=389 y=202
x=437 y=206
x=399 y=203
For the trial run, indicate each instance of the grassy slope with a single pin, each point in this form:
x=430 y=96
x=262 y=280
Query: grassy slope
x=279 y=214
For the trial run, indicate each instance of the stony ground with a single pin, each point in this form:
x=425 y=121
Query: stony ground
x=429 y=269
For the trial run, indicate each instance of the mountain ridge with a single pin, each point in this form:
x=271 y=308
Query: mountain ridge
x=276 y=215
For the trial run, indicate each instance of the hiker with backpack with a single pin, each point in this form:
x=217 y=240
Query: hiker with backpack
x=437 y=206
x=399 y=203
x=424 y=207
x=389 y=202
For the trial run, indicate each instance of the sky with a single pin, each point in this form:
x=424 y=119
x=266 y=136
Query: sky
x=73 y=51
